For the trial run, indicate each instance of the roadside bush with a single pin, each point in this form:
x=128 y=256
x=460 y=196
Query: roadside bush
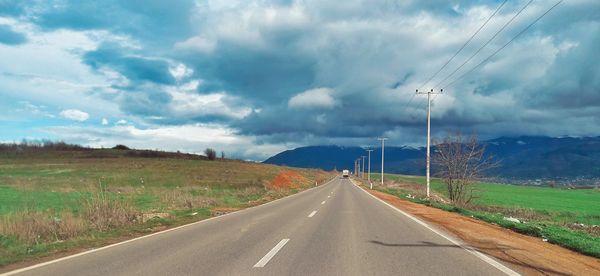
x=211 y=154
x=34 y=227
x=121 y=147
x=185 y=198
x=105 y=213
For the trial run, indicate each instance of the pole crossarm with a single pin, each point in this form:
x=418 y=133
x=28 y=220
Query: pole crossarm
x=430 y=92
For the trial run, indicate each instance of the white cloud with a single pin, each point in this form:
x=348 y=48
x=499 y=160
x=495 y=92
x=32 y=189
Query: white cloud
x=121 y=122
x=104 y=121
x=180 y=71
x=187 y=103
x=32 y=109
x=314 y=98
x=75 y=115
x=197 y=43
x=193 y=138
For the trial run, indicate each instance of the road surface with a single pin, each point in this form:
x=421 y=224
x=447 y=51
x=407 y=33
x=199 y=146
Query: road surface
x=334 y=229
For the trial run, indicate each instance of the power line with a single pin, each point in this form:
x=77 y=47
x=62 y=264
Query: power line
x=485 y=44
x=504 y=46
x=464 y=45
x=494 y=53
x=452 y=58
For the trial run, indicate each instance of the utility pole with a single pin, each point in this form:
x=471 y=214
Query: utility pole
x=363 y=166
x=382 y=139
x=429 y=130
x=369 y=171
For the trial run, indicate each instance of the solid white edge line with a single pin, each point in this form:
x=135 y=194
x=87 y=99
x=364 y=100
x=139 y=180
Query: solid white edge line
x=20 y=270
x=469 y=249
x=312 y=213
x=271 y=253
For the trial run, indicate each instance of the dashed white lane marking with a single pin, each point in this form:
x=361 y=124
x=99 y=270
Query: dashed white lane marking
x=271 y=253
x=323 y=202
x=328 y=196
x=312 y=214
x=21 y=270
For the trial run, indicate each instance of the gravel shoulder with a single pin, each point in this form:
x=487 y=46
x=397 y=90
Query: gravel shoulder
x=525 y=254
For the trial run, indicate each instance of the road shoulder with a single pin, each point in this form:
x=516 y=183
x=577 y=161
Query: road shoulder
x=526 y=255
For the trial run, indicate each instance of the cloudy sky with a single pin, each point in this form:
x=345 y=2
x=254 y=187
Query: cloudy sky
x=253 y=78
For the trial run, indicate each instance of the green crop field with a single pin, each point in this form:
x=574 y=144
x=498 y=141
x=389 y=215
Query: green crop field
x=581 y=206
x=566 y=217
x=50 y=198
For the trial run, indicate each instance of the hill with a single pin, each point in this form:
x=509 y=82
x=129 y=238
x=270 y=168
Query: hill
x=526 y=157
x=58 y=197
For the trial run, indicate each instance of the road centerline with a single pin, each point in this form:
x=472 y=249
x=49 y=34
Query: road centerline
x=323 y=202
x=312 y=213
x=271 y=253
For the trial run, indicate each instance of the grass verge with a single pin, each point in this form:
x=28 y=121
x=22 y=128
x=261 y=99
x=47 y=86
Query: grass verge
x=69 y=200
x=579 y=241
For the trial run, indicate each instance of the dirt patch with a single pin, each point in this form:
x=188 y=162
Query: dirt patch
x=287 y=180
x=524 y=254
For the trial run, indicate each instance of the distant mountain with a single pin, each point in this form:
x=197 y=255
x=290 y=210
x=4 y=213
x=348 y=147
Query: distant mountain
x=525 y=157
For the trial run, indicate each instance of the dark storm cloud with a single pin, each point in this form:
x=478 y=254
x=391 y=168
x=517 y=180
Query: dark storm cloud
x=154 y=21
x=9 y=37
x=149 y=102
x=135 y=68
x=251 y=59
x=261 y=75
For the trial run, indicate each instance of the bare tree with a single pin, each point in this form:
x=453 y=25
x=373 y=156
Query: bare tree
x=223 y=155
x=460 y=163
x=210 y=153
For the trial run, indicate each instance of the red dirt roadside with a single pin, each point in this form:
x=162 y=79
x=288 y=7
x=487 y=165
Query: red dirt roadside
x=524 y=254
x=287 y=179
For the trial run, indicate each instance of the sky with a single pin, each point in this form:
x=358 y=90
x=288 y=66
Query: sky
x=253 y=78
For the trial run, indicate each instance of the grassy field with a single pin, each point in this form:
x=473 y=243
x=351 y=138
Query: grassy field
x=566 y=217
x=56 y=200
x=578 y=206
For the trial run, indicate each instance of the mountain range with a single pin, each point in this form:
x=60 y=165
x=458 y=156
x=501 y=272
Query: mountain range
x=525 y=157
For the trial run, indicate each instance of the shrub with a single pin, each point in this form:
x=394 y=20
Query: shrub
x=121 y=147
x=105 y=213
x=211 y=154
x=35 y=227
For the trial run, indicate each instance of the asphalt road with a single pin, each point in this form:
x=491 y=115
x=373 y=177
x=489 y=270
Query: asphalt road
x=334 y=229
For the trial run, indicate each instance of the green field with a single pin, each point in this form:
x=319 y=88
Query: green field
x=580 y=206
x=555 y=214
x=49 y=198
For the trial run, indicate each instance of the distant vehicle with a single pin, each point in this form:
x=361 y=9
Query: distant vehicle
x=345 y=173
